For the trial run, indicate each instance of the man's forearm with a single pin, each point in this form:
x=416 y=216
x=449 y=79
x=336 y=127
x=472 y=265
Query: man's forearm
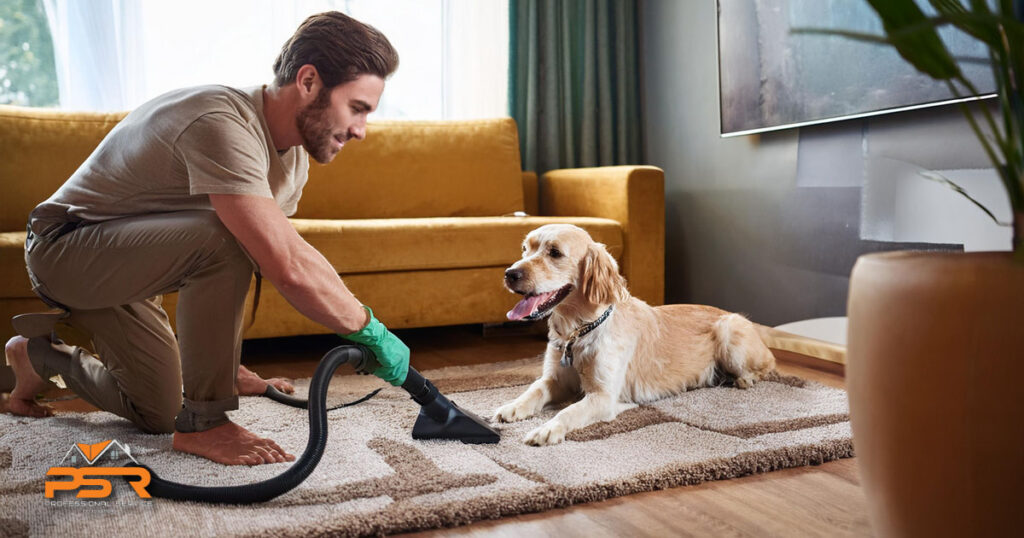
x=310 y=284
x=303 y=276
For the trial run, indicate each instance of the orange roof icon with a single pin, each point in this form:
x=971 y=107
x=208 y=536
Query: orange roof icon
x=91 y=452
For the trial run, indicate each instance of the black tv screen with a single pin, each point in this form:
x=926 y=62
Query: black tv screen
x=771 y=78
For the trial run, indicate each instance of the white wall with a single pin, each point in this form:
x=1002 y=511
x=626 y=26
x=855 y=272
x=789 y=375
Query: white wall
x=771 y=224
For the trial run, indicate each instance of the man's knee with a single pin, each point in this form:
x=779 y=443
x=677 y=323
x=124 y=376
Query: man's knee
x=222 y=245
x=214 y=250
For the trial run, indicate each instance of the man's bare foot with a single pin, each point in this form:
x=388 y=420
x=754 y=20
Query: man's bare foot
x=250 y=384
x=27 y=382
x=230 y=444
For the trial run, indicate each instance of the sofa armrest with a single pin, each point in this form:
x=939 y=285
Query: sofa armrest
x=632 y=195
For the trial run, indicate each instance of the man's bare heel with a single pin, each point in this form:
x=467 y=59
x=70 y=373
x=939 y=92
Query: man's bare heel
x=7 y=359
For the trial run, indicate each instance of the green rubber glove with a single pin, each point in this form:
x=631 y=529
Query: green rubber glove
x=392 y=353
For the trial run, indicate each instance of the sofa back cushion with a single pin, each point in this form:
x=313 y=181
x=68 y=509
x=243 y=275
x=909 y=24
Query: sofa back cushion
x=401 y=169
x=420 y=169
x=39 y=150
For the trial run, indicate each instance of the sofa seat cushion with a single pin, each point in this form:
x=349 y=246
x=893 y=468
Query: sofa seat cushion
x=382 y=245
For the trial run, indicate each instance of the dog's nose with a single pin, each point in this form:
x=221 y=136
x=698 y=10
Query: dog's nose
x=513 y=275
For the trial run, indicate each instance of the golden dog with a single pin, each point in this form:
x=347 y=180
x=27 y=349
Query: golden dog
x=615 y=349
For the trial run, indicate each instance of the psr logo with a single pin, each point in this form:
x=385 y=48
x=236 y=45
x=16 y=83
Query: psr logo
x=85 y=479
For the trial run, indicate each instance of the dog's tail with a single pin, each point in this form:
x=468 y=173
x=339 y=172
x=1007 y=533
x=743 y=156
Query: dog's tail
x=739 y=349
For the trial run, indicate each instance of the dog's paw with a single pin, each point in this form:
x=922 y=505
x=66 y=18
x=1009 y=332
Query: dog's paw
x=744 y=382
x=551 y=433
x=512 y=412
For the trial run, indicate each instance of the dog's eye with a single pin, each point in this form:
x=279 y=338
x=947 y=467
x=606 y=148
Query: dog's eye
x=524 y=248
x=555 y=253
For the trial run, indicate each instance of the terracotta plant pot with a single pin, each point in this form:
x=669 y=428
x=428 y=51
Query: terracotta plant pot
x=935 y=374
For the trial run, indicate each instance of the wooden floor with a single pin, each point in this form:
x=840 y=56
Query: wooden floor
x=824 y=500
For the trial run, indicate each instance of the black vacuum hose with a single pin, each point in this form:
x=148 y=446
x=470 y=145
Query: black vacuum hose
x=294 y=475
x=439 y=418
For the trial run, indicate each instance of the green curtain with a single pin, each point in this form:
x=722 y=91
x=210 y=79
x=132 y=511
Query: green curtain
x=574 y=82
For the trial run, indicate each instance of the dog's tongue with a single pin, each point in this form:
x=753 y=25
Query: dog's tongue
x=527 y=306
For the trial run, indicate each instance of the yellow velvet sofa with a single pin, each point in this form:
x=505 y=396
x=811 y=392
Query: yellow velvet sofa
x=419 y=218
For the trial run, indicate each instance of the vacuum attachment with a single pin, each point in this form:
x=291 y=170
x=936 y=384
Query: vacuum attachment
x=441 y=418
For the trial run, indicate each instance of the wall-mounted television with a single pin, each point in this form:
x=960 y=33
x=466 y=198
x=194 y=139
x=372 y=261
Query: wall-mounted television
x=771 y=78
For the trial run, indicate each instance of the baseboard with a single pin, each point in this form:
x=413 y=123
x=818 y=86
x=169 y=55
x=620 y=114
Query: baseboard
x=514 y=328
x=807 y=361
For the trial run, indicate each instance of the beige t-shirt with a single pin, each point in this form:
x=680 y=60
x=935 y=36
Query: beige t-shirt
x=171 y=152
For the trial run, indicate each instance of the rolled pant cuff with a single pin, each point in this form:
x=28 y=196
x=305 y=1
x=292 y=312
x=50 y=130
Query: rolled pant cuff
x=198 y=416
x=45 y=360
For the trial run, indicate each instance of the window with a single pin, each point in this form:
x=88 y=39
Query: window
x=27 y=73
x=116 y=54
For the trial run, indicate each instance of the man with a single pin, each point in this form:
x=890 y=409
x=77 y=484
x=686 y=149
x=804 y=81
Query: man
x=186 y=194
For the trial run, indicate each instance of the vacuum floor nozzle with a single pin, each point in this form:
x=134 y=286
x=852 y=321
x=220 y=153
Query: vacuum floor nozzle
x=440 y=418
x=457 y=424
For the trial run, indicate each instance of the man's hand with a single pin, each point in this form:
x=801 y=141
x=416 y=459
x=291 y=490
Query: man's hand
x=391 y=353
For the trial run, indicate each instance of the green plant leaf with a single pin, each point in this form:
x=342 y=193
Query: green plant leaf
x=915 y=37
x=939 y=178
x=858 y=36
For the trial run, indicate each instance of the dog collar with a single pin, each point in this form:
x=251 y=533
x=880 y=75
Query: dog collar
x=580 y=332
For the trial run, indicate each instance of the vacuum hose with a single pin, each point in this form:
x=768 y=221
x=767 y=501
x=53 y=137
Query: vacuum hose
x=294 y=475
x=439 y=419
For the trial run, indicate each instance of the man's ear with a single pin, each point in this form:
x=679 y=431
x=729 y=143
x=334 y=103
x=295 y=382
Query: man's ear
x=308 y=82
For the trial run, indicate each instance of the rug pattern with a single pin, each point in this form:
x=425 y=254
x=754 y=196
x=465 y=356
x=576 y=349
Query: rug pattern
x=374 y=479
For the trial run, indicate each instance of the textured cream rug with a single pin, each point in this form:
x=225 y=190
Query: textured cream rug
x=374 y=479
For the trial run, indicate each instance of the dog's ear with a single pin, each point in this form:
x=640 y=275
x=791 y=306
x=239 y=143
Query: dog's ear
x=600 y=281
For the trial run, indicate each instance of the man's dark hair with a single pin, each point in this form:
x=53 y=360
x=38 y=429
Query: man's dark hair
x=340 y=47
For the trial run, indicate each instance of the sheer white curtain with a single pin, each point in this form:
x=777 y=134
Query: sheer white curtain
x=115 y=54
x=96 y=47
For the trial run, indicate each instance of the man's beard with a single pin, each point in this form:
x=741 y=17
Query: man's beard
x=315 y=130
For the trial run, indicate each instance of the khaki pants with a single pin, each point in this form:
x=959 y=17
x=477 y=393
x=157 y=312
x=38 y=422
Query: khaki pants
x=109 y=277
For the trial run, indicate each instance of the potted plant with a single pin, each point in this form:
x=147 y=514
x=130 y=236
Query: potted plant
x=935 y=354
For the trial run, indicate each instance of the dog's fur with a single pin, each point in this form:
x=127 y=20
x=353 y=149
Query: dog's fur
x=639 y=354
